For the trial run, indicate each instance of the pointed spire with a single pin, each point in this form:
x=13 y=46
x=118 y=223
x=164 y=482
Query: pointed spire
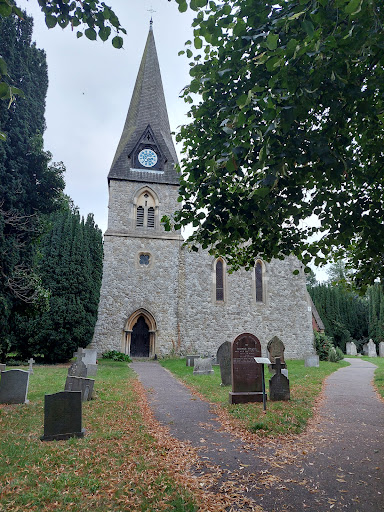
x=147 y=109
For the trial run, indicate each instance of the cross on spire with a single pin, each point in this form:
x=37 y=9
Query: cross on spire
x=151 y=10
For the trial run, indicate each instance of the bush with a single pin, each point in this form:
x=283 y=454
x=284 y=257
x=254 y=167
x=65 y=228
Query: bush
x=115 y=355
x=335 y=355
x=323 y=345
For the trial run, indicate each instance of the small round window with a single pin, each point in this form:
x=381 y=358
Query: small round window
x=144 y=259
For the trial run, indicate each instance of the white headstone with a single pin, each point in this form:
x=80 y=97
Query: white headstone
x=372 y=349
x=311 y=360
x=90 y=356
x=30 y=362
x=203 y=366
x=348 y=348
x=353 y=349
x=381 y=349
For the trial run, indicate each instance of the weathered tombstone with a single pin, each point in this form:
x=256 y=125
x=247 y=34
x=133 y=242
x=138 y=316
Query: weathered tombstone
x=30 y=362
x=80 y=384
x=190 y=360
x=353 y=349
x=381 y=349
x=14 y=387
x=62 y=416
x=348 y=348
x=90 y=361
x=365 y=349
x=284 y=372
x=223 y=357
x=279 y=384
x=311 y=360
x=372 y=352
x=203 y=366
x=2 y=367
x=246 y=373
x=275 y=349
x=78 y=368
x=214 y=360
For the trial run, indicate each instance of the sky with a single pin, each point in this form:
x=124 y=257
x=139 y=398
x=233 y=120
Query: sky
x=90 y=87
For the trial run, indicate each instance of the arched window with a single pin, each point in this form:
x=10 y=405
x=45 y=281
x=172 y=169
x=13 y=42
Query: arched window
x=219 y=283
x=259 y=282
x=145 y=211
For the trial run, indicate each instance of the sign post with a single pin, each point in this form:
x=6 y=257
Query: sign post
x=263 y=361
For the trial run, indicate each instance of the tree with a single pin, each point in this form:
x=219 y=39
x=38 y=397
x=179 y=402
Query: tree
x=289 y=124
x=69 y=261
x=30 y=185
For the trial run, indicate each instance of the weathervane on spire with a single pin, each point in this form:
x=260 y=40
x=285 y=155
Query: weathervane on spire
x=151 y=10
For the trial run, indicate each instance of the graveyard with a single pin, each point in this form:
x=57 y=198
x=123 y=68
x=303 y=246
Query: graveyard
x=126 y=460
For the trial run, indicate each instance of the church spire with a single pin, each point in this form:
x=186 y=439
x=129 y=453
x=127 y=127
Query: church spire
x=146 y=128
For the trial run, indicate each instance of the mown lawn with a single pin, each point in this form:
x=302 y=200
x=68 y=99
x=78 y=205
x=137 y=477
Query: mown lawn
x=281 y=418
x=118 y=466
x=379 y=373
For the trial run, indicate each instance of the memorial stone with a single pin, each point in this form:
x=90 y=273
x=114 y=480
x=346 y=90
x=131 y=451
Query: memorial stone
x=2 y=367
x=279 y=384
x=275 y=349
x=224 y=359
x=203 y=366
x=353 y=349
x=348 y=348
x=14 y=387
x=372 y=352
x=90 y=361
x=365 y=349
x=246 y=373
x=80 y=384
x=78 y=368
x=62 y=416
x=30 y=362
x=312 y=361
x=381 y=349
x=190 y=360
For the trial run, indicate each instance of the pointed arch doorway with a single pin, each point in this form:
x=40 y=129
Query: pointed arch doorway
x=140 y=335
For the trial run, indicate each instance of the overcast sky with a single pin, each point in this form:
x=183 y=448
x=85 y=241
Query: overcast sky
x=90 y=87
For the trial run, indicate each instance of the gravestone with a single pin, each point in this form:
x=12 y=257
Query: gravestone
x=275 y=349
x=14 y=387
x=2 y=367
x=62 y=416
x=372 y=352
x=190 y=360
x=312 y=361
x=78 y=368
x=246 y=373
x=203 y=366
x=353 y=349
x=223 y=357
x=80 y=384
x=365 y=349
x=90 y=361
x=348 y=348
x=30 y=362
x=279 y=384
x=381 y=349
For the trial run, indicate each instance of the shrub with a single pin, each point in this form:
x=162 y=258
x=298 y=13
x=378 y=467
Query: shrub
x=323 y=345
x=115 y=355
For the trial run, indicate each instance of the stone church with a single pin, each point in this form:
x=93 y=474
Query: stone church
x=157 y=297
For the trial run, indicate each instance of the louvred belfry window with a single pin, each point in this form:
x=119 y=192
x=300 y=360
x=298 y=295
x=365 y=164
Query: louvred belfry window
x=259 y=281
x=219 y=280
x=151 y=217
x=140 y=217
x=145 y=211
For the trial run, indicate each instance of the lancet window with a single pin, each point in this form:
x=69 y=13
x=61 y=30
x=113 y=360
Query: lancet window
x=145 y=211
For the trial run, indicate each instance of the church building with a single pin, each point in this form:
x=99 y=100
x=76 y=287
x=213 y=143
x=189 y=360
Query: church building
x=159 y=298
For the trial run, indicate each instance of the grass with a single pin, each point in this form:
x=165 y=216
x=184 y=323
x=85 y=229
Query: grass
x=281 y=418
x=379 y=372
x=119 y=465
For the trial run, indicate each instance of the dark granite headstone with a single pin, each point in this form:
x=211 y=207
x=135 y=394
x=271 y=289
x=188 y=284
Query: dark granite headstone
x=224 y=359
x=14 y=387
x=80 y=384
x=78 y=368
x=275 y=349
x=62 y=416
x=279 y=384
x=246 y=373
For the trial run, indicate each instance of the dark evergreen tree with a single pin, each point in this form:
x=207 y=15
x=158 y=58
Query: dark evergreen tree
x=29 y=184
x=70 y=266
x=376 y=312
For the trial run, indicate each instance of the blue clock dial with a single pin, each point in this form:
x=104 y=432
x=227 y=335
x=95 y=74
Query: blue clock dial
x=147 y=157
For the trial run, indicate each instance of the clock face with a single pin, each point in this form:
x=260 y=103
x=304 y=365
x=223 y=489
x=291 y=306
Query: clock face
x=147 y=157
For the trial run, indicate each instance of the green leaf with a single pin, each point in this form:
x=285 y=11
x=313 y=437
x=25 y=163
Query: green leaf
x=296 y=272
x=104 y=33
x=50 y=21
x=272 y=41
x=5 y=9
x=79 y=34
x=308 y=27
x=353 y=7
x=4 y=91
x=90 y=33
x=183 y=6
x=117 y=42
x=198 y=43
x=3 y=136
x=3 y=67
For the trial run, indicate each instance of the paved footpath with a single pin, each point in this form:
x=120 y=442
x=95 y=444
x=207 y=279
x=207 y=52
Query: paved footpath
x=337 y=465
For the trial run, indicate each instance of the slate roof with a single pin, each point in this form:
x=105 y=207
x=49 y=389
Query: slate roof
x=147 y=107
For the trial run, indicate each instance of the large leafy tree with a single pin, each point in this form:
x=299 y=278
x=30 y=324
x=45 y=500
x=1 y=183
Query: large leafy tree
x=289 y=123
x=30 y=185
